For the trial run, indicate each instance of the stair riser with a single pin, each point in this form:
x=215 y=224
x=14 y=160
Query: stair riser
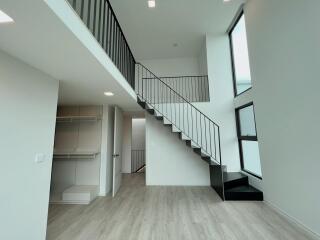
x=197 y=151
x=206 y=159
x=236 y=183
x=142 y=104
x=151 y=111
x=244 y=196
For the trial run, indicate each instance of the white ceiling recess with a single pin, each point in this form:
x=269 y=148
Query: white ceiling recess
x=153 y=32
x=40 y=38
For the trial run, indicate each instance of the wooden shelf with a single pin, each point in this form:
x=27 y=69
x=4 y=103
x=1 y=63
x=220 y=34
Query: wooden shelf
x=70 y=119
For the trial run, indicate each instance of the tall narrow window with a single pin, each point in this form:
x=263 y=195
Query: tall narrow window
x=248 y=141
x=240 y=57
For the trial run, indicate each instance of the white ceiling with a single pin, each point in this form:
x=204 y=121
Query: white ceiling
x=39 y=38
x=151 y=33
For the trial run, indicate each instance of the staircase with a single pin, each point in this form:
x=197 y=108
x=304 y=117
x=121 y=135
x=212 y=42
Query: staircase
x=197 y=130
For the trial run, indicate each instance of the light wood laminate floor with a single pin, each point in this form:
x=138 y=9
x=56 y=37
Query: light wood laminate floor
x=139 y=212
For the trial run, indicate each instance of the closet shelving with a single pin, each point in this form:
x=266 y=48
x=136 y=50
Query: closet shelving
x=76 y=156
x=70 y=119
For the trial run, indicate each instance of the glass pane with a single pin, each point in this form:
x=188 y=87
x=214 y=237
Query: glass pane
x=241 y=57
x=247 y=123
x=251 y=157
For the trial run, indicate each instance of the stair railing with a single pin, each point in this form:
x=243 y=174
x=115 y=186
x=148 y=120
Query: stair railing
x=175 y=109
x=138 y=159
x=192 y=88
x=101 y=21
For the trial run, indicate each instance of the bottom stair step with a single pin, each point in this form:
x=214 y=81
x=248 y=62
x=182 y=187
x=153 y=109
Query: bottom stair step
x=234 y=179
x=151 y=111
x=245 y=193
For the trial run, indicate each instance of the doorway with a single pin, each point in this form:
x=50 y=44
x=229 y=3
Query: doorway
x=138 y=150
x=134 y=148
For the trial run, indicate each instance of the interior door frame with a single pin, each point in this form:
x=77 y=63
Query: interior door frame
x=116 y=156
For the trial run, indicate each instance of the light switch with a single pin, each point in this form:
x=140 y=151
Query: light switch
x=40 y=158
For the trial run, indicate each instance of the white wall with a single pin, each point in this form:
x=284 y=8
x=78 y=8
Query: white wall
x=127 y=144
x=172 y=66
x=221 y=107
x=283 y=41
x=169 y=161
x=202 y=59
x=28 y=101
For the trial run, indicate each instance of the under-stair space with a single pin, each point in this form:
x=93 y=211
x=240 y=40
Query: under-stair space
x=134 y=142
x=76 y=158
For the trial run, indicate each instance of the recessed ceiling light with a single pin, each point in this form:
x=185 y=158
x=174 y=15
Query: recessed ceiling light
x=227 y=0
x=109 y=94
x=4 y=18
x=151 y=3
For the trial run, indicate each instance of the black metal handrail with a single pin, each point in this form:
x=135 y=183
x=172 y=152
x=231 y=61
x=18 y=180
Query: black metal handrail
x=192 y=88
x=138 y=160
x=101 y=20
x=183 y=115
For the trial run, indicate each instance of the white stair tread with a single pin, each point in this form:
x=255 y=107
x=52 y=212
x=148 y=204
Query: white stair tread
x=184 y=137
x=175 y=129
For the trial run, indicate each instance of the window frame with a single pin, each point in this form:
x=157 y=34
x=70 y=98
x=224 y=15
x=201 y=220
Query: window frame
x=245 y=138
x=234 y=23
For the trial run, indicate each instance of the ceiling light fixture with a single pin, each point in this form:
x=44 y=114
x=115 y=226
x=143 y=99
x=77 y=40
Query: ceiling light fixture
x=109 y=94
x=227 y=0
x=151 y=3
x=4 y=18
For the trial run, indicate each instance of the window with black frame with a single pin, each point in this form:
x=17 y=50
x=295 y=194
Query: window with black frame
x=248 y=141
x=239 y=55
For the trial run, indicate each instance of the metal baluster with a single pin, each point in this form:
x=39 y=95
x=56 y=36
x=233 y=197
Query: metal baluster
x=188 y=120
x=210 y=123
x=191 y=123
x=94 y=17
x=220 y=160
x=200 y=129
x=103 y=25
x=205 y=132
x=99 y=23
x=81 y=9
x=113 y=38
x=197 y=127
x=89 y=14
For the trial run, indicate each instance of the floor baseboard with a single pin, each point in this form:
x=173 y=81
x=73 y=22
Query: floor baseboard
x=301 y=226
